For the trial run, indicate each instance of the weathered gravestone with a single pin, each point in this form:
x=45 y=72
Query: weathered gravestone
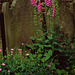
x=19 y=22
x=68 y=22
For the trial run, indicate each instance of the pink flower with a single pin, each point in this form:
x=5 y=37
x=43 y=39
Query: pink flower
x=45 y=53
x=38 y=71
x=0 y=69
x=22 y=43
x=20 y=52
x=40 y=18
x=22 y=56
x=49 y=65
x=33 y=2
x=12 y=49
x=20 y=49
x=0 y=50
x=39 y=6
x=3 y=64
x=8 y=70
x=51 y=71
x=48 y=2
x=53 y=15
x=11 y=54
x=13 y=65
x=27 y=54
x=8 y=54
x=29 y=49
x=4 y=55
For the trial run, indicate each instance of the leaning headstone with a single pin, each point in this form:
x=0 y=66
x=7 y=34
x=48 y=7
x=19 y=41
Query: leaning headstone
x=19 y=23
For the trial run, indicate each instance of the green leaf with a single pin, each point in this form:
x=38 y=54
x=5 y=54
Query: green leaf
x=50 y=52
x=58 y=71
x=46 y=41
x=29 y=46
x=39 y=50
x=47 y=45
x=39 y=39
x=40 y=55
x=55 y=43
x=31 y=56
x=53 y=66
x=50 y=37
x=41 y=46
x=33 y=38
x=45 y=58
x=34 y=55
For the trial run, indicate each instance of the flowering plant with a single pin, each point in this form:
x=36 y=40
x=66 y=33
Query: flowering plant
x=45 y=56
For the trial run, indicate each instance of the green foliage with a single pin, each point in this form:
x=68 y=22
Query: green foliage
x=53 y=55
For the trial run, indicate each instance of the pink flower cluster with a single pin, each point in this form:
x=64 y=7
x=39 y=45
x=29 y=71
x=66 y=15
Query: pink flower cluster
x=0 y=50
x=50 y=65
x=8 y=70
x=48 y=2
x=11 y=51
x=33 y=2
x=0 y=69
x=53 y=15
x=22 y=43
x=20 y=51
x=39 y=6
x=3 y=64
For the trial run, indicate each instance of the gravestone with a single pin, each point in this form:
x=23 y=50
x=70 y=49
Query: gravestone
x=66 y=18
x=68 y=22
x=19 y=23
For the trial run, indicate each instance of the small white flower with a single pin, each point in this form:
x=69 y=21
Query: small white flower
x=27 y=54
x=12 y=49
